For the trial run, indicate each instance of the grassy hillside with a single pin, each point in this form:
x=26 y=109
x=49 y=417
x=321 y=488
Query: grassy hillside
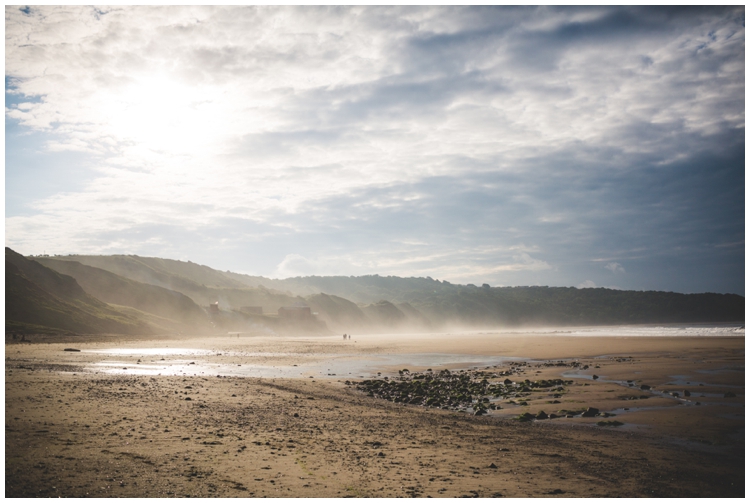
x=386 y=314
x=171 y=274
x=362 y=289
x=200 y=283
x=572 y=306
x=414 y=317
x=40 y=299
x=115 y=289
x=337 y=312
x=442 y=302
x=436 y=302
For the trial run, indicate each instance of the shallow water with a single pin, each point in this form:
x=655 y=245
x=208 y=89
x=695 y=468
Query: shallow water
x=150 y=351
x=323 y=366
x=686 y=380
x=661 y=331
x=690 y=401
x=695 y=330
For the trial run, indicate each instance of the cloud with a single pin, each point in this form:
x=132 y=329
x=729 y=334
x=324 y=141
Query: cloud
x=295 y=265
x=250 y=78
x=614 y=267
x=587 y=284
x=525 y=262
x=331 y=133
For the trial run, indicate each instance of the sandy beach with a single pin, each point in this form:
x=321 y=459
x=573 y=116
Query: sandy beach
x=255 y=416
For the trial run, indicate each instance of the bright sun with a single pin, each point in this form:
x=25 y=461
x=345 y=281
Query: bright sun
x=164 y=115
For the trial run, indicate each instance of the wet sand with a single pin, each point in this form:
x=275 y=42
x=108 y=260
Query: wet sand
x=101 y=423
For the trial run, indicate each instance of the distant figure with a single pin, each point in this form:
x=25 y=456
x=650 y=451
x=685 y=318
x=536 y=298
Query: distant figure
x=344 y=336
x=350 y=337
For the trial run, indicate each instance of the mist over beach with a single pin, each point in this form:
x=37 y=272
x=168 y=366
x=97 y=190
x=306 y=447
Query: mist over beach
x=374 y=251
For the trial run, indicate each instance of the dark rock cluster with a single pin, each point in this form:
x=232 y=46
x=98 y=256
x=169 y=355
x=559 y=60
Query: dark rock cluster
x=456 y=390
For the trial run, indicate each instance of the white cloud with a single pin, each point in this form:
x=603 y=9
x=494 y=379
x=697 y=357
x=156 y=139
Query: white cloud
x=615 y=267
x=587 y=284
x=168 y=84
x=192 y=116
x=295 y=265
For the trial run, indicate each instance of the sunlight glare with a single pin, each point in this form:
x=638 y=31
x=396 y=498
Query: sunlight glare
x=165 y=115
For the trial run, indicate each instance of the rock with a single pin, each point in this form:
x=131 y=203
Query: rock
x=72 y=349
x=686 y=392
x=493 y=465
x=381 y=455
x=590 y=412
x=553 y=416
x=479 y=412
x=595 y=376
x=525 y=417
x=296 y=414
x=542 y=415
x=645 y=387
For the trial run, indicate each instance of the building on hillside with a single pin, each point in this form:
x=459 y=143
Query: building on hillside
x=213 y=308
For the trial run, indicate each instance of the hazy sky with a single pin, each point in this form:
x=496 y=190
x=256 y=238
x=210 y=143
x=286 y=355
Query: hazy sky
x=510 y=146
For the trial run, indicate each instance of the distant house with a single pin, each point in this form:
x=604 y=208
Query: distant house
x=252 y=309
x=213 y=308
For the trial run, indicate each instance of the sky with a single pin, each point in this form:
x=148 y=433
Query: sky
x=585 y=147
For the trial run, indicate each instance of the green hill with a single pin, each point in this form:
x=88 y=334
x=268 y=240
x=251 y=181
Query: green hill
x=415 y=318
x=431 y=302
x=200 y=283
x=442 y=302
x=384 y=313
x=337 y=312
x=171 y=274
x=115 y=289
x=40 y=299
